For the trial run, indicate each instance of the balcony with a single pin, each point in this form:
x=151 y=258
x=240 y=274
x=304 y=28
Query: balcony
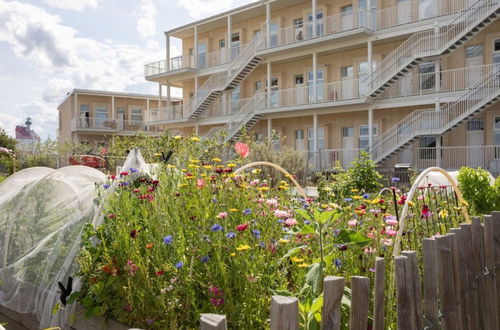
x=108 y=125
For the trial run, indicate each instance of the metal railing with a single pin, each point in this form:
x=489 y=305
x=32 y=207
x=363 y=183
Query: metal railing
x=430 y=42
x=111 y=125
x=176 y=63
x=174 y=112
x=432 y=122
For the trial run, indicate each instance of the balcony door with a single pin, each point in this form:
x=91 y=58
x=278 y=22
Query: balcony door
x=320 y=85
x=474 y=58
x=428 y=8
x=347 y=83
x=235 y=45
x=475 y=142
x=202 y=55
x=363 y=73
x=347 y=18
x=347 y=146
x=300 y=90
x=101 y=116
x=404 y=11
x=120 y=112
x=319 y=24
x=274 y=34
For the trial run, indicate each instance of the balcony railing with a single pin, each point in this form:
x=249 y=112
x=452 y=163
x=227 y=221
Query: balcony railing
x=110 y=125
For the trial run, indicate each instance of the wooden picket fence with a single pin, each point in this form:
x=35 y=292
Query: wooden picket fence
x=456 y=289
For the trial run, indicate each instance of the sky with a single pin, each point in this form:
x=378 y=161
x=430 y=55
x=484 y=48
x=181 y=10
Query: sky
x=49 y=47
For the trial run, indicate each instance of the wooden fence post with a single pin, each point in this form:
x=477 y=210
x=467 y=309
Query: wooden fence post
x=478 y=260
x=431 y=307
x=448 y=296
x=379 y=300
x=415 y=287
x=360 y=287
x=496 y=242
x=284 y=313
x=403 y=292
x=471 y=292
x=491 y=319
x=213 y=322
x=333 y=290
x=461 y=273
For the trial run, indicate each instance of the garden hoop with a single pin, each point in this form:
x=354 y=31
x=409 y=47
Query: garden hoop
x=410 y=197
x=278 y=168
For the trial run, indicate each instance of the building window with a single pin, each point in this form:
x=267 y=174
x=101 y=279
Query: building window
x=497 y=137
x=235 y=99
x=428 y=148
x=473 y=51
x=258 y=86
x=101 y=115
x=427 y=75
x=347 y=131
x=299 y=79
x=222 y=43
x=321 y=138
x=299 y=140
x=347 y=71
x=475 y=125
x=319 y=23
x=257 y=34
x=364 y=135
x=298 y=25
x=496 y=51
x=320 y=80
x=136 y=115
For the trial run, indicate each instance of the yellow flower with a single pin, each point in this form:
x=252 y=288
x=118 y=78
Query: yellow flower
x=357 y=197
x=189 y=177
x=256 y=171
x=220 y=166
x=217 y=160
x=443 y=213
x=194 y=161
x=243 y=247
x=263 y=188
x=180 y=185
x=303 y=265
x=230 y=165
x=203 y=175
x=193 y=166
x=195 y=139
x=334 y=205
x=233 y=254
x=375 y=201
x=283 y=241
x=157 y=154
x=354 y=190
x=171 y=166
x=233 y=210
x=297 y=260
x=283 y=187
x=410 y=203
x=464 y=203
x=327 y=189
x=177 y=137
x=207 y=167
x=324 y=206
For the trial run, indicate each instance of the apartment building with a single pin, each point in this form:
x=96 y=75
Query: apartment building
x=412 y=81
x=95 y=116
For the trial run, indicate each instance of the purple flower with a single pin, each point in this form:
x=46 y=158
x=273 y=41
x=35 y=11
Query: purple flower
x=247 y=212
x=168 y=240
x=133 y=170
x=133 y=233
x=338 y=263
x=366 y=196
x=150 y=321
x=179 y=265
x=395 y=179
x=215 y=228
x=124 y=184
x=256 y=233
x=231 y=235
x=348 y=199
x=205 y=259
x=106 y=186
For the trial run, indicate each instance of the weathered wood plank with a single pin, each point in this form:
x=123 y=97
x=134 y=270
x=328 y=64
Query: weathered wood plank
x=379 y=300
x=403 y=304
x=431 y=307
x=455 y=271
x=360 y=287
x=462 y=276
x=478 y=251
x=415 y=287
x=472 y=283
x=284 y=313
x=213 y=322
x=496 y=242
x=491 y=317
x=333 y=290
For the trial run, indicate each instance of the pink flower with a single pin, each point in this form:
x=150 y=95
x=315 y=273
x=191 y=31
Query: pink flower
x=281 y=214
x=420 y=197
x=255 y=182
x=391 y=221
x=222 y=215
x=260 y=200
x=352 y=223
x=290 y=222
x=391 y=232
x=200 y=183
x=242 y=227
x=272 y=202
x=131 y=268
x=370 y=250
x=242 y=149
x=387 y=241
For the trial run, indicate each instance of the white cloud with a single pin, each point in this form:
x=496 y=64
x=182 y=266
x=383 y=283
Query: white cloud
x=8 y=123
x=76 y=5
x=146 y=24
x=201 y=8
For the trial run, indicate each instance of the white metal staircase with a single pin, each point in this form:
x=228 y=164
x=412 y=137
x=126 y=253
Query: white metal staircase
x=434 y=42
x=477 y=97
x=238 y=70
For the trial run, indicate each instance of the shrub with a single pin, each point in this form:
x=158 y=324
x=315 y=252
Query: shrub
x=477 y=191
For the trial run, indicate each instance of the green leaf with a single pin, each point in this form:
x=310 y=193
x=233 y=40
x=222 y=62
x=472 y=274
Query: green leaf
x=313 y=277
x=56 y=308
x=352 y=237
x=325 y=217
x=292 y=252
x=74 y=297
x=317 y=304
x=304 y=214
x=307 y=229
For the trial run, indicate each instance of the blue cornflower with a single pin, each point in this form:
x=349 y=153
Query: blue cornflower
x=216 y=228
x=179 y=265
x=348 y=200
x=338 y=263
x=133 y=170
x=214 y=200
x=168 y=239
x=261 y=244
x=256 y=233
x=395 y=179
x=366 y=196
x=247 y=212
x=106 y=186
x=231 y=235
x=205 y=259
x=307 y=222
x=124 y=184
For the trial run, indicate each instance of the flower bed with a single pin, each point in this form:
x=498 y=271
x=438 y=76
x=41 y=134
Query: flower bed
x=200 y=239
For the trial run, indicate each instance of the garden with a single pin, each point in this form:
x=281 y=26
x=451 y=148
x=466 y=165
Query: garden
x=195 y=235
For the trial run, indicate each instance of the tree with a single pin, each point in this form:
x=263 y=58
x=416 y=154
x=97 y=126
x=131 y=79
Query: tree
x=5 y=159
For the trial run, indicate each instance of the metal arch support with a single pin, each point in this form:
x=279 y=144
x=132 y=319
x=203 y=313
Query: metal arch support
x=412 y=193
x=278 y=168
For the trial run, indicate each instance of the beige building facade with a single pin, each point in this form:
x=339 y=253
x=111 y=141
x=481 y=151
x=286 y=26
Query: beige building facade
x=95 y=116
x=414 y=82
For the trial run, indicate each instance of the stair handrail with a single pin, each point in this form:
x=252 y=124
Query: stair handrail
x=241 y=118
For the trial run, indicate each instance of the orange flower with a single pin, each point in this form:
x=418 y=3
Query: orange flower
x=149 y=246
x=242 y=149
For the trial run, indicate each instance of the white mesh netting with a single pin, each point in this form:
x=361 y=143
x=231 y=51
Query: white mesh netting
x=42 y=214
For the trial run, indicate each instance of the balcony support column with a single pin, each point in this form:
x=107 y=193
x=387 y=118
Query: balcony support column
x=268 y=24
x=75 y=109
x=368 y=14
x=196 y=46
x=113 y=110
x=370 y=57
x=269 y=78
x=159 y=95
x=437 y=75
x=168 y=96
x=314 y=18
x=315 y=76
x=438 y=151
x=167 y=55
x=196 y=88
x=315 y=132
x=370 y=130
x=229 y=32
x=197 y=130
x=269 y=128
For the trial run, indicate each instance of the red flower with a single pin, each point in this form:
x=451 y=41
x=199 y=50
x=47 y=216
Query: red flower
x=137 y=190
x=123 y=173
x=425 y=212
x=133 y=233
x=113 y=177
x=159 y=273
x=242 y=149
x=242 y=227
x=111 y=216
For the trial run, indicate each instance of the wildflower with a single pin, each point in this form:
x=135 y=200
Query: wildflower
x=338 y=263
x=391 y=232
x=233 y=254
x=357 y=197
x=370 y=250
x=133 y=233
x=159 y=273
x=111 y=216
x=443 y=213
x=342 y=247
x=426 y=213
x=242 y=227
x=168 y=240
x=231 y=165
x=124 y=184
x=150 y=321
x=354 y=190
x=133 y=170
x=391 y=220
x=395 y=179
x=243 y=247
x=233 y=210
x=231 y=235
x=177 y=137
x=247 y=212
x=127 y=308
x=179 y=265
x=106 y=186
x=195 y=139
x=217 y=301
x=290 y=222
x=303 y=265
x=215 y=228
x=124 y=173
x=216 y=160
x=387 y=241
x=256 y=171
x=242 y=149
x=131 y=268
x=352 y=223
x=205 y=259
x=256 y=233
x=283 y=241
x=402 y=200
x=222 y=215
x=296 y=259
x=281 y=214
x=366 y=196
x=149 y=246
x=348 y=199
x=272 y=202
